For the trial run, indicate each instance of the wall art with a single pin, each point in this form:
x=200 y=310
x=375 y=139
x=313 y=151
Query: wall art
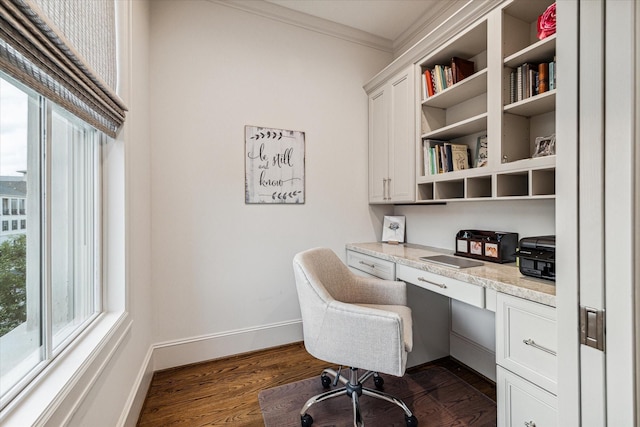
x=274 y=166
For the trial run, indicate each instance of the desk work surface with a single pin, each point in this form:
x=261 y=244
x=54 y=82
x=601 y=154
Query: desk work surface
x=505 y=278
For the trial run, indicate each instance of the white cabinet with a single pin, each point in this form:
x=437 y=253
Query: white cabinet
x=373 y=266
x=391 y=140
x=526 y=354
x=523 y=404
x=452 y=288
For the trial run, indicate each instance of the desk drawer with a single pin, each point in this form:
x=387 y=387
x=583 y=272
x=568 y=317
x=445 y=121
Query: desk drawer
x=452 y=288
x=521 y=403
x=375 y=266
x=527 y=340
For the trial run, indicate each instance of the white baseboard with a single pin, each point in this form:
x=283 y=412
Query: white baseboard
x=473 y=355
x=133 y=406
x=198 y=349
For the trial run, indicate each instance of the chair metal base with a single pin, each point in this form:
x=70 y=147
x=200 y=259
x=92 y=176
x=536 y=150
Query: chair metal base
x=353 y=388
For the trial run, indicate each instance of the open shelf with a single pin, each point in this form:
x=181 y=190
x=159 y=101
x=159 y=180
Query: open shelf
x=468 y=88
x=468 y=110
x=542 y=50
x=456 y=130
x=533 y=106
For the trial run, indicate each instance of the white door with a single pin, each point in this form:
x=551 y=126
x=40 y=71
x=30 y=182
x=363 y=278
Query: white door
x=621 y=236
x=597 y=60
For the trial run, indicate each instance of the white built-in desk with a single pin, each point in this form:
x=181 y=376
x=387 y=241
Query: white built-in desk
x=491 y=317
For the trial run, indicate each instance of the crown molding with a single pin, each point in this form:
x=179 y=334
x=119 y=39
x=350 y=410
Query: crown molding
x=308 y=22
x=440 y=11
x=466 y=16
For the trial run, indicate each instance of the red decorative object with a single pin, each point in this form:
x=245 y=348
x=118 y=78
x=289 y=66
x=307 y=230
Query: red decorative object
x=547 y=22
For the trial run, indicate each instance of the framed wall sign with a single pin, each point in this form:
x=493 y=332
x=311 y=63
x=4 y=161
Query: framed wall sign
x=274 y=166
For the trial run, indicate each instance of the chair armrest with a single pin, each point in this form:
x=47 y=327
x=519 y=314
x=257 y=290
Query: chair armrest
x=368 y=290
x=361 y=337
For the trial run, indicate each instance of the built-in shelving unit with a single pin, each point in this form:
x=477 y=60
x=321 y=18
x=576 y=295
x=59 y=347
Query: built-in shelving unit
x=467 y=110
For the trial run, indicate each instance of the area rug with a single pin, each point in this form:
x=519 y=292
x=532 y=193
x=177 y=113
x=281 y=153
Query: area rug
x=437 y=398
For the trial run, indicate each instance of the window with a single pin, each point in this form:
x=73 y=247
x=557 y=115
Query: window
x=5 y=206
x=50 y=267
x=5 y=225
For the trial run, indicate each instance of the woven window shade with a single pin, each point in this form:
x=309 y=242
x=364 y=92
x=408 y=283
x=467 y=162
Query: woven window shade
x=65 y=50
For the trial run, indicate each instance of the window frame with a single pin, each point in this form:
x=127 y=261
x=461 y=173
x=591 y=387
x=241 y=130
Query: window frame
x=48 y=351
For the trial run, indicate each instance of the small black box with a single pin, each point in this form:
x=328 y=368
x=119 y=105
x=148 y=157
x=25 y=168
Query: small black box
x=493 y=246
x=537 y=257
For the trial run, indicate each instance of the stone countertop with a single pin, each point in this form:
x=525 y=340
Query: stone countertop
x=505 y=278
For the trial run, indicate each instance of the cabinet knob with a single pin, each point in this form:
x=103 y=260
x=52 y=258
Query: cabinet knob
x=529 y=424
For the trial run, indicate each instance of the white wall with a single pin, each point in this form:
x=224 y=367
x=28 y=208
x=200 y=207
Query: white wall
x=220 y=266
x=437 y=225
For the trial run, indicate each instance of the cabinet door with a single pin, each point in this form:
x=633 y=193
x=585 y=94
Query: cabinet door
x=522 y=404
x=378 y=146
x=401 y=187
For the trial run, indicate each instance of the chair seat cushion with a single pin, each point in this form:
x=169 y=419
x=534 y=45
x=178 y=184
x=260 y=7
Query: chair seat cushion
x=405 y=315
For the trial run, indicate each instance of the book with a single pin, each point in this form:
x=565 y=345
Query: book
x=448 y=76
x=481 y=152
x=519 y=83
x=429 y=82
x=461 y=69
x=459 y=157
x=432 y=149
x=543 y=77
x=512 y=87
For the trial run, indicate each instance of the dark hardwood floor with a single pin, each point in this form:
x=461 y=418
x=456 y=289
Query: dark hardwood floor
x=225 y=391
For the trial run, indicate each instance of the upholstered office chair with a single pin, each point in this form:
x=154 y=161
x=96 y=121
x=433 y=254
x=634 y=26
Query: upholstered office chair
x=352 y=321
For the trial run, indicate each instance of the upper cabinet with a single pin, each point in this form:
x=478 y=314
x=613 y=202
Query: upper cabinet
x=392 y=140
x=484 y=125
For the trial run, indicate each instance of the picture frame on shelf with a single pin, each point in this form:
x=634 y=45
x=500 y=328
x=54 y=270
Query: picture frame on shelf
x=481 y=152
x=393 y=229
x=545 y=146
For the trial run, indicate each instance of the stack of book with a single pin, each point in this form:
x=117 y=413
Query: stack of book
x=441 y=77
x=442 y=156
x=529 y=80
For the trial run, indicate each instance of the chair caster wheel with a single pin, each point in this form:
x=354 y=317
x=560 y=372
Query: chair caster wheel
x=412 y=421
x=378 y=382
x=306 y=420
x=326 y=381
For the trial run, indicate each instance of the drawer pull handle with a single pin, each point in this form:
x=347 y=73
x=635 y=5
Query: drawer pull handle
x=367 y=264
x=440 y=285
x=533 y=344
x=529 y=424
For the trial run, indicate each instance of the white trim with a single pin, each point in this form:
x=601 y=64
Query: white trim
x=434 y=15
x=53 y=397
x=471 y=12
x=171 y=354
x=135 y=401
x=309 y=22
x=473 y=355
x=207 y=347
